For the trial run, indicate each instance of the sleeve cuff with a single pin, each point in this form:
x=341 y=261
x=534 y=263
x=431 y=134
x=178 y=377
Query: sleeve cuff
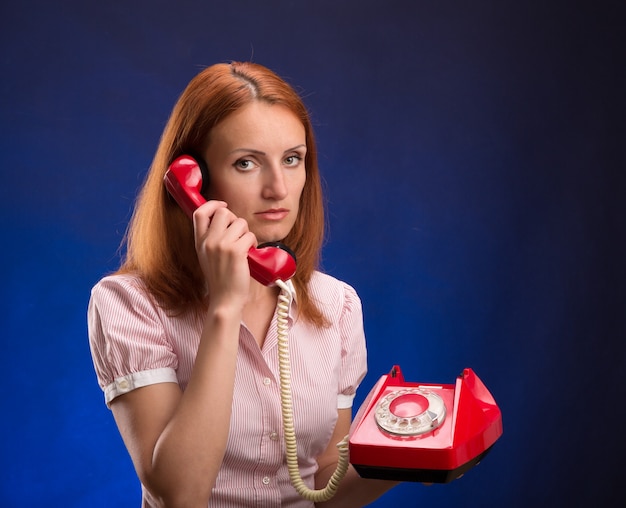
x=129 y=382
x=344 y=401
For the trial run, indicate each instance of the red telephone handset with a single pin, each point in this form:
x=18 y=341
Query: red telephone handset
x=268 y=262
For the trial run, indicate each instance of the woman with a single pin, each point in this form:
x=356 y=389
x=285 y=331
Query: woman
x=184 y=340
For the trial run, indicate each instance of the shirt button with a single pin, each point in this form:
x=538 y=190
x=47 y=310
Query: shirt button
x=266 y=480
x=274 y=436
x=122 y=384
x=267 y=381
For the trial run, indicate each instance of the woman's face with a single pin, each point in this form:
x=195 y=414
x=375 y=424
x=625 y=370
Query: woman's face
x=256 y=165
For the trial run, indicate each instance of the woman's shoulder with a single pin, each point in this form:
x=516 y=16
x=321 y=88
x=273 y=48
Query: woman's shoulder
x=129 y=280
x=326 y=288
x=325 y=279
x=127 y=284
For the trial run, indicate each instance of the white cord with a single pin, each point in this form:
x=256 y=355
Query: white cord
x=291 y=449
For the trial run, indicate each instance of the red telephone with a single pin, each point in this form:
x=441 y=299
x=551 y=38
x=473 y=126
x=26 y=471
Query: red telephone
x=423 y=432
x=268 y=262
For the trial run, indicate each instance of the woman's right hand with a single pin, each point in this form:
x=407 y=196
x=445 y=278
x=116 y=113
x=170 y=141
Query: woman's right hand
x=222 y=243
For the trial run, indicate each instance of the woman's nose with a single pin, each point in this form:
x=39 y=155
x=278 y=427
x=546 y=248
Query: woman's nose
x=274 y=185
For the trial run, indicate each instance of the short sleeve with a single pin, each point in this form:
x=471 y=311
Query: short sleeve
x=353 y=349
x=128 y=344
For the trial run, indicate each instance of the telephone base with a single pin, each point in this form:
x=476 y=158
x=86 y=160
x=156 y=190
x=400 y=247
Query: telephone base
x=423 y=432
x=417 y=475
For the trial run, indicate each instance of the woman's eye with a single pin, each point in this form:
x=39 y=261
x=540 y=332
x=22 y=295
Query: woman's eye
x=293 y=160
x=244 y=164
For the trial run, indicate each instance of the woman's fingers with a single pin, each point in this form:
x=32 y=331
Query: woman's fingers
x=222 y=244
x=203 y=214
x=217 y=228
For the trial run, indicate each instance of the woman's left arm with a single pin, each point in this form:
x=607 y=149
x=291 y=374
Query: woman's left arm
x=354 y=491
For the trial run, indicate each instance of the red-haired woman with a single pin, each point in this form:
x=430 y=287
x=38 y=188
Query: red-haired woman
x=184 y=341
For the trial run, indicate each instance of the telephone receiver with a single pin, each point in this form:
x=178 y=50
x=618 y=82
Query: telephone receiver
x=424 y=432
x=185 y=180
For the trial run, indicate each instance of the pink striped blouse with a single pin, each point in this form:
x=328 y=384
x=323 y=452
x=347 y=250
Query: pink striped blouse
x=135 y=343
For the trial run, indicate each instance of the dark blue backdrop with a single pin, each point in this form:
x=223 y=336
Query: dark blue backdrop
x=474 y=156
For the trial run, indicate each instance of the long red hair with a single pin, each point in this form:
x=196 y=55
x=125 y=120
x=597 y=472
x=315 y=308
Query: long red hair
x=159 y=239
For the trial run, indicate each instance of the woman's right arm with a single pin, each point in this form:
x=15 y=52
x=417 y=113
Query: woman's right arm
x=177 y=440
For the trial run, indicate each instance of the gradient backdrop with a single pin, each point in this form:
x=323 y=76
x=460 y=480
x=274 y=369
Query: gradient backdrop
x=474 y=155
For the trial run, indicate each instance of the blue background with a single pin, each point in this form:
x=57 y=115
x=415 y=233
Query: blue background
x=474 y=157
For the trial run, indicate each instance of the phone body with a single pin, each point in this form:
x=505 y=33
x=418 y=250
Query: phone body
x=185 y=180
x=421 y=432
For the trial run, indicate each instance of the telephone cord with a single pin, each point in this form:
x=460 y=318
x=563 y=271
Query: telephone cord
x=291 y=449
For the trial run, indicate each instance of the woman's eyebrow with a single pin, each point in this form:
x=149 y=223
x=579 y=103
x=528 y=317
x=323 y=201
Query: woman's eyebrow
x=295 y=148
x=260 y=152
x=247 y=150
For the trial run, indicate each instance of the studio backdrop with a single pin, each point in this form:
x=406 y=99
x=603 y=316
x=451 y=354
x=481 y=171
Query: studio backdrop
x=473 y=157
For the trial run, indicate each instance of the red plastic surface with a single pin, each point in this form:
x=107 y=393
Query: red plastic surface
x=269 y=264
x=473 y=423
x=183 y=181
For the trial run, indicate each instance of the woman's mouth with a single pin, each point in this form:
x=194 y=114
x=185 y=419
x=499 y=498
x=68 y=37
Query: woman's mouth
x=273 y=214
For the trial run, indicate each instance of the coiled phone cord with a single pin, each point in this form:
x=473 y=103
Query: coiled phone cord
x=291 y=449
